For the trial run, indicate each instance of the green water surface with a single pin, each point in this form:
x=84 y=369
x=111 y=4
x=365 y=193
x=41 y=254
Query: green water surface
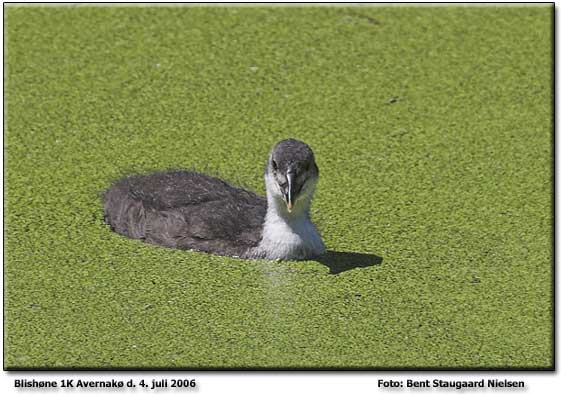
x=432 y=128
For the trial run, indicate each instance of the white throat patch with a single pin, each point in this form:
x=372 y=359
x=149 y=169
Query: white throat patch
x=288 y=235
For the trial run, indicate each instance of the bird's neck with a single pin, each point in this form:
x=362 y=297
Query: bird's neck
x=276 y=208
x=289 y=235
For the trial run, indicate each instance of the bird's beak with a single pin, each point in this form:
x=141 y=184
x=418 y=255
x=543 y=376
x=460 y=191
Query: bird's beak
x=290 y=192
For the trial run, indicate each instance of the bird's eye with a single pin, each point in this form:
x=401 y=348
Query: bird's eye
x=274 y=163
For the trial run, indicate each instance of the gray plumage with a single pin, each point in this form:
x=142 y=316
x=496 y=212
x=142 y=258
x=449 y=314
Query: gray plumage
x=189 y=210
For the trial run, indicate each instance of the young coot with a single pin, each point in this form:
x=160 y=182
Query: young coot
x=188 y=210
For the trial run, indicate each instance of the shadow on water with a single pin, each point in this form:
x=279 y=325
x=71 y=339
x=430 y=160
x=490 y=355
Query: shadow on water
x=338 y=262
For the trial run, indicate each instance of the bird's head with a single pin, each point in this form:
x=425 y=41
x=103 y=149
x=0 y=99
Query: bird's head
x=291 y=174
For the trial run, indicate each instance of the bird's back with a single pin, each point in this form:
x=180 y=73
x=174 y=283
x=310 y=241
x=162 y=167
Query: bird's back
x=186 y=210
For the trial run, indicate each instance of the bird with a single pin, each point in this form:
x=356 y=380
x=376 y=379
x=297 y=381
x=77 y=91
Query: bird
x=187 y=210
